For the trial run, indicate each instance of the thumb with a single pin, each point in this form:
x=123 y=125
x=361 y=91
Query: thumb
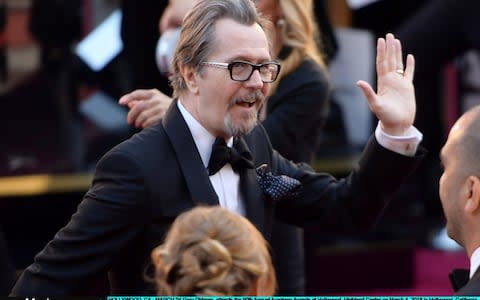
x=367 y=92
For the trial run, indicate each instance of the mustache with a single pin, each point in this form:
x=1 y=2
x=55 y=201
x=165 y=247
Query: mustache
x=256 y=96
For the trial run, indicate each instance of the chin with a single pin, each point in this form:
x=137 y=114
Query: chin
x=239 y=128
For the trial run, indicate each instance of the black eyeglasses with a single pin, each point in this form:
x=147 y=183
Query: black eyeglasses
x=243 y=70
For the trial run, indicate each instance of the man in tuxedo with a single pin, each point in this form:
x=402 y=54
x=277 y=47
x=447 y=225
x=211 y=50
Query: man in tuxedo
x=460 y=194
x=223 y=72
x=435 y=44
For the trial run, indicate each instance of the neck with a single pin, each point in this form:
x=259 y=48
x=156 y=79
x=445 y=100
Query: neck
x=470 y=249
x=471 y=239
x=191 y=109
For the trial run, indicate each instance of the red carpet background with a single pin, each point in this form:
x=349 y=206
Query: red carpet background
x=431 y=274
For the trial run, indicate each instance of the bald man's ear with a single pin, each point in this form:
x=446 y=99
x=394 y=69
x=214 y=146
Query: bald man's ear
x=473 y=200
x=189 y=75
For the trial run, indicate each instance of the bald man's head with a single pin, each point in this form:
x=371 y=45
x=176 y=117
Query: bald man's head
x=465 y=137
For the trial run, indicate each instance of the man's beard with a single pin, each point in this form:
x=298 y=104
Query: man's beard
x=248 y=120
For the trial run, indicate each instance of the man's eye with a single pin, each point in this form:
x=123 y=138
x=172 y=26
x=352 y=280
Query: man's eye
x=240 y=65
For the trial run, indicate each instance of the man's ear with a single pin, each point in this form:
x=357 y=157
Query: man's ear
x=472 y=204
x=190 y=77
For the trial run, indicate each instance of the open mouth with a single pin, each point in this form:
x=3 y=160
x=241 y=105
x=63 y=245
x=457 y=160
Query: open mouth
x=254 y=99
x=246 y=104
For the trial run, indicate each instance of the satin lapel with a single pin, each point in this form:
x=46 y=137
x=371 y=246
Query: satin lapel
x=459 y=278
x=252 y=195
x=476 y=275
x=190 y=162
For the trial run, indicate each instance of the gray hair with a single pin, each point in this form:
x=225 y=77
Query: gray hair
x=197 y=40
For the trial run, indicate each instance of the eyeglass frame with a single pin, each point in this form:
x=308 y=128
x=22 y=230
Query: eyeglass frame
x=229 y=66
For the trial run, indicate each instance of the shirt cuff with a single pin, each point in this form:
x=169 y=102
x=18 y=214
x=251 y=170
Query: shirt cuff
x=403 y=144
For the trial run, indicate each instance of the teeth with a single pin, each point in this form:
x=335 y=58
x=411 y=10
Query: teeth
x=251 y=100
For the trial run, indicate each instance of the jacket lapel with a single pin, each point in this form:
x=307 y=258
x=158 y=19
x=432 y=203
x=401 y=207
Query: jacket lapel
x=252 y=195
x=196 y=176
x=459 y=278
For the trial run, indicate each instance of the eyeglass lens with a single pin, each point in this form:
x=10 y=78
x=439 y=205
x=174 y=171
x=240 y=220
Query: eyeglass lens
x=242 y=71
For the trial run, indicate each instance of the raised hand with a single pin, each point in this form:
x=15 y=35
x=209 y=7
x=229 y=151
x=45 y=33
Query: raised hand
x=146 y=106
x=394 y=103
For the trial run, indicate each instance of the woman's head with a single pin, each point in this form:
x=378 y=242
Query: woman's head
x=296 y=29
x=213 y=252
x=295 y=22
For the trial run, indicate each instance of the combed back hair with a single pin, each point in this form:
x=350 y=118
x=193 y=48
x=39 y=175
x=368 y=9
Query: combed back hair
x=210 y=251
x=197 y=38
x=300 y=32
x=469 y=143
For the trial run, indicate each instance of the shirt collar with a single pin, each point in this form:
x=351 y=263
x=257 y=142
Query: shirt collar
x=202 y=137
x=474 y=261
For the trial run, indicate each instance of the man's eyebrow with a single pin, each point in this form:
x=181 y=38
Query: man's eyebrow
x=249 y=58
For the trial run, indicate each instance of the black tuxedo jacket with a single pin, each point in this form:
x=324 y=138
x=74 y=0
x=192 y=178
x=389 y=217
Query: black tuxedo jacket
x=296 y=113
x=142 y=184
x=472 y=288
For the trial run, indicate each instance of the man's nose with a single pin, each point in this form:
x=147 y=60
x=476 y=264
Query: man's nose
x=255 y=80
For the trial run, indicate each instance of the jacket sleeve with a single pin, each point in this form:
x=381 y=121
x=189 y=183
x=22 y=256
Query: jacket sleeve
x=110 y=215
x=352 y=203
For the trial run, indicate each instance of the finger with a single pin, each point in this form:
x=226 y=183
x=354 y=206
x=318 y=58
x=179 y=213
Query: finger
x=150 y=121
x=147 y=110
x=139 y=94
x=391 y=58
x=152 y=115
x=368 y=92
x=141 y=118
x=381 y=54
x=142 y=94
x=410 y=69
x=398 y=54
x=135 y=112
x=131 y=104
x=125 y=99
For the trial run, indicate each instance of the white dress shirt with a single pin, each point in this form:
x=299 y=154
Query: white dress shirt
x=227 y=183
x=474 y=261
x=406 y=144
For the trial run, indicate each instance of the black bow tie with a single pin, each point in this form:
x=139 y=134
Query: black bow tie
x=222 y=154
x=459 y=278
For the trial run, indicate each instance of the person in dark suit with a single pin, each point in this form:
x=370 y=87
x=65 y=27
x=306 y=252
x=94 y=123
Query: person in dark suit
x=220 y=83
x=460 y=192
x=437 y=33
x=293 y=117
